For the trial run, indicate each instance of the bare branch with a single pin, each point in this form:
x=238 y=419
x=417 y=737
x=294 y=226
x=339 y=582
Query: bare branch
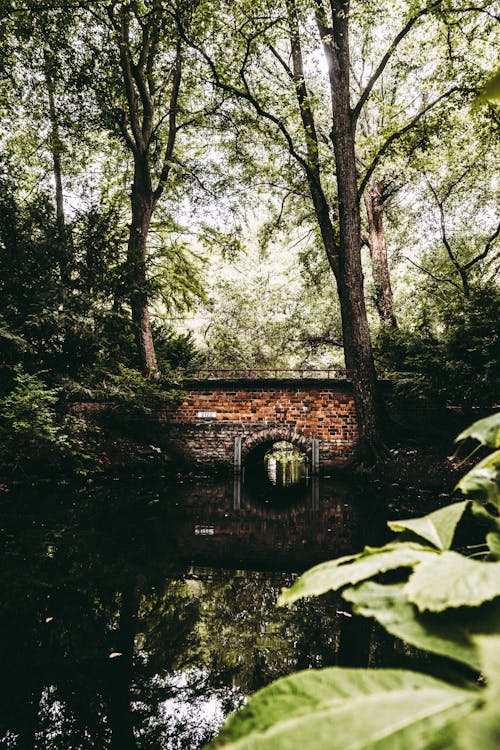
x=444 y=236
x=440 y=280
x=298 y=77
x=172 y=123
x=281 y=61
x=126 y=133
x=121 y=27
x=458 y=267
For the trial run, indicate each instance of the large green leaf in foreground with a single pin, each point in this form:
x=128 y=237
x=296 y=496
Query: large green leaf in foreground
x=347 y=709
x=438 y=527
x=335 y=574
x=483 y=480
x=441 y=634
x=481 y=731
x=453 y=581
x=452 y=634
x=486 y=431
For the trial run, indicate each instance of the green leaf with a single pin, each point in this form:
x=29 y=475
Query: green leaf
x=348 y=709
x=489 y=646
x=390 y=607
x=334 y=574
x=438 y=527
x=482 y=729
x=486 y=431
x=484 y=479
x=493 y=542
x=453 y=581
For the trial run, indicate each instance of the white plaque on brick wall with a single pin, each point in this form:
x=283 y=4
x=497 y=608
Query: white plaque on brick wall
x=206 y=414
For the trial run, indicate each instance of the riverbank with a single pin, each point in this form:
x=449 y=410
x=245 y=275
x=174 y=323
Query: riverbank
x=412 y=465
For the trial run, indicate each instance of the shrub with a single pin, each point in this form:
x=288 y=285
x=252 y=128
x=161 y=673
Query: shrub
x=33 y=432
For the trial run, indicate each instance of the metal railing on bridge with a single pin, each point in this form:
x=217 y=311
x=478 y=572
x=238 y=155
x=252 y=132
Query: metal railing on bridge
x=215 y=373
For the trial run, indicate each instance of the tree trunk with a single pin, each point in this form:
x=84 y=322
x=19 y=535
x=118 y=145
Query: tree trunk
x=142 y=204
x=56 y=151
x=374 y=205
x=357 y=342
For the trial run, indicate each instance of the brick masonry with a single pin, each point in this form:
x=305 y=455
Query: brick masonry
x=261 y=412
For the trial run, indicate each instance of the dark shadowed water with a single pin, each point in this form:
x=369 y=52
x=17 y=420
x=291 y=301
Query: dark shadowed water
x=137 y=615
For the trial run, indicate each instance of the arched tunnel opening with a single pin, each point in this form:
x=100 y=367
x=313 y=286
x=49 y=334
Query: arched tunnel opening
x=280 y=466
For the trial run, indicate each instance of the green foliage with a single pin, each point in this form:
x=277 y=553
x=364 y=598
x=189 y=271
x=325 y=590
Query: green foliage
x=483 y=481
x=342 y=708
x=176 y=351
x=443 y=602
x=389 y=605
x=438 y=527
x=451 y=355
x=335 y=574
x=32 y=431
x=491 y=91
x=486 y=431
x=136 y=393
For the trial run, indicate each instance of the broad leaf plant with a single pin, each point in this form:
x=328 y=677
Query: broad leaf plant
x=446 y=602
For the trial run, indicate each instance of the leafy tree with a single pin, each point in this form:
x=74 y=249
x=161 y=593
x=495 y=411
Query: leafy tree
x=141 y=97
x=448 y=353
x=33 y=432
x=268 y=64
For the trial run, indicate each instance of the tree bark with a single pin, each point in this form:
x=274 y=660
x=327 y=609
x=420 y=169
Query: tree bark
x=142 y=204
x=357 y=342
x=374 y=204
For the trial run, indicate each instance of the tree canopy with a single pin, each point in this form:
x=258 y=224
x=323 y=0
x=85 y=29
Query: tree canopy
x=148 y=147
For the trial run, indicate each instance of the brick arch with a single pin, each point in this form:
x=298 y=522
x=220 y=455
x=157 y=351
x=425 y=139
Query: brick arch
x=273 y=435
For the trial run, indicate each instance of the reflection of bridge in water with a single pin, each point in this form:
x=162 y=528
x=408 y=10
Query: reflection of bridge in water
x=255 y=526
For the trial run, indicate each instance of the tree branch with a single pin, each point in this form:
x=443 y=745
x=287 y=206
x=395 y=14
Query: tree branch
x=303 y=98
x=385 y=59
x=458 y=267
x=121 y=28
x=394 y=136
x=247 y=96
x=441 y=280
x=172 y=123
x=486 y=250
x=281 y=61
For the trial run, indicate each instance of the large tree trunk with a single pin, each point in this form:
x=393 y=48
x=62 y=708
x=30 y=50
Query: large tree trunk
x=142 y=204
x=357 y=342
x=344 y=254
x=374 y=204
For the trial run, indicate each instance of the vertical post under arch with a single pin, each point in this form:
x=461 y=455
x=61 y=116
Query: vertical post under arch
x=315 y=457
x=237 y=455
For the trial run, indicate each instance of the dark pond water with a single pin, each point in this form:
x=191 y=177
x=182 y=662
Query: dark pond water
x=137 y=615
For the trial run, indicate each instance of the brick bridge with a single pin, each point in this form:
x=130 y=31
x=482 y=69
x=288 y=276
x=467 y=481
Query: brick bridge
x=224 y=422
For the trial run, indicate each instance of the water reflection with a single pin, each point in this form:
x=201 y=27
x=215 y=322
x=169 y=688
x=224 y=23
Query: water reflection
x=285 y=473
x=138 y=617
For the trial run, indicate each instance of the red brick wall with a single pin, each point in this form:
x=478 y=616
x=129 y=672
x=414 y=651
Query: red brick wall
x=259 y=412
x=317 y=409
